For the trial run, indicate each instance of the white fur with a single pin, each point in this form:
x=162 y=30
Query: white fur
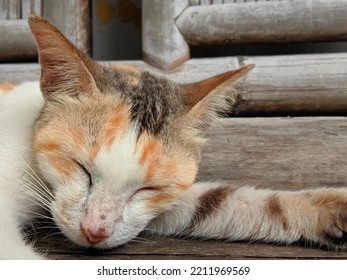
x=18 y=111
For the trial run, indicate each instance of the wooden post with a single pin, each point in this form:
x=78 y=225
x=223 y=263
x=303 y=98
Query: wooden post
x=18 y=46
x=163 y=45
x=259 y=22
x=16 y=41
x=72 y=19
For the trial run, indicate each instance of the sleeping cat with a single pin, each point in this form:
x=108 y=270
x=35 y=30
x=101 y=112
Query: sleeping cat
x=111 y=151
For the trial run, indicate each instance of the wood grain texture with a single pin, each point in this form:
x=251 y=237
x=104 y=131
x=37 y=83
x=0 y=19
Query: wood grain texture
x=162 y=44
x=72 y=19
x=70 y=16
x=280 y=153
x=178 y=248
x=314 y=84
x=258 y=22
x=21 y=45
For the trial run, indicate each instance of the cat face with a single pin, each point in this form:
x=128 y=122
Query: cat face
x=118 y=146
x=110 y=174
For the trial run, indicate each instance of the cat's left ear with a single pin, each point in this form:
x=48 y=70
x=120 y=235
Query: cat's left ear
x=64 y=69
x=208 y=98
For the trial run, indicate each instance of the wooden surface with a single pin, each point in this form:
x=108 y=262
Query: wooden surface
x=16 y=41
x=258 y=22
x=162 y=44
x=314 y=84
x=72 y=18
x=18 y=46
x=281 y=153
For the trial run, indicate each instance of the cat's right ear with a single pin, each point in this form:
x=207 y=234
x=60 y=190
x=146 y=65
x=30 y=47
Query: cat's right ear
x=64 y=69
x=208 y=98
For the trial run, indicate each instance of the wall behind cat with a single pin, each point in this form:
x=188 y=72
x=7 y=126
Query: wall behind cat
x=116 y=29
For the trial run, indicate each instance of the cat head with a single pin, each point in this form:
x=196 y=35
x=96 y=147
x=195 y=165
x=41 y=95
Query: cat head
x=117 y=145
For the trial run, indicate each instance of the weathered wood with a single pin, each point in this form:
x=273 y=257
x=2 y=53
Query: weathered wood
x=21 y=45
x=178 y=248
x=314 y=84
x=72 y=19
x=295 y=85
x=280 y=153
x=162 y=44
x=31 y=7
x=71 y=16
x=258 y=22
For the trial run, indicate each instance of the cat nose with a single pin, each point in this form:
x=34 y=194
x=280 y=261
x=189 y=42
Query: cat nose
x=94 y=236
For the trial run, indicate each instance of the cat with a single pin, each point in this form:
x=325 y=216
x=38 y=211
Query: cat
x=111 y=151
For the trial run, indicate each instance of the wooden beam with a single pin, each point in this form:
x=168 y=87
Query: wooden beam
x=162 y=44
x=259 y=22
x=280 y=153
x=72 y=19
x=16 y=47
x=314 y=84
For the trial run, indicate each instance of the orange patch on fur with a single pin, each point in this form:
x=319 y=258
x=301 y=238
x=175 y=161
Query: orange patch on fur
x=65 y=167
x=48 y=146
x=116 y=125
x=169 y=169
x=5 y=87
x=78 y=140
x=94 y=151
x=150 y=153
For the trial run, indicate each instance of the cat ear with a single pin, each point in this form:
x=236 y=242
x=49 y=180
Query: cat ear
x=64 y=69
x=209 y=98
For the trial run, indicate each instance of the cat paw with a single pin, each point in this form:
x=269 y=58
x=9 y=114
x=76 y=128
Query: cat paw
x=331 y=219
x=335 y=234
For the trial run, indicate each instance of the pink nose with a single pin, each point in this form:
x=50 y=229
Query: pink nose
x=94 y=236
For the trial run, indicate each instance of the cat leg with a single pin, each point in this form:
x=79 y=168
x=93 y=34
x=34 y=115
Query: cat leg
x=220 y=211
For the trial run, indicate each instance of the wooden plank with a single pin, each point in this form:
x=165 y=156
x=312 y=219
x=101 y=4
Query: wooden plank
x=16 y=47
x=14 y=9
x=280 y=153
x=5 y=9
x=162 y=44
x=178 y=248
x=31 y=7
x=313 y=84
x=258 y=22
x=72 y=19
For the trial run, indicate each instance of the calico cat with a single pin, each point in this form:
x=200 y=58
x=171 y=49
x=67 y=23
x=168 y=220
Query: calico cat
x=111 y=151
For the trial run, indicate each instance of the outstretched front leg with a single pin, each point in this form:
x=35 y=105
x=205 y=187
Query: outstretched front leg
x=219 y=211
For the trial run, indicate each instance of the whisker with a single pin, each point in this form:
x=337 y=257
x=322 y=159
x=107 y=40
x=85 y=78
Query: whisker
x=37 y=191
x=36 y=177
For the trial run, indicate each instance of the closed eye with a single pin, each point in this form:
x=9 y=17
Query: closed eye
x=148 y=189
x=87 y=173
